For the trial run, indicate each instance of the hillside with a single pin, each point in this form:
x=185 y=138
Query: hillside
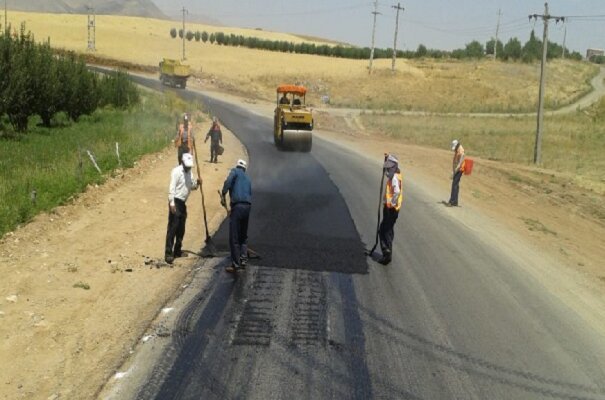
x=139 y=8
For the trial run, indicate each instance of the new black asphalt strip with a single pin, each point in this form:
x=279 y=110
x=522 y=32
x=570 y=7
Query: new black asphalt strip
x=455 y=316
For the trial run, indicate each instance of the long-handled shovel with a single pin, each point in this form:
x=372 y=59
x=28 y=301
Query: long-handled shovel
x=210 y=249
x=371 y=251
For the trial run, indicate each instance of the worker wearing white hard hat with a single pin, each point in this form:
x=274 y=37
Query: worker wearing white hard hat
x=181 y=185
x=458 y=164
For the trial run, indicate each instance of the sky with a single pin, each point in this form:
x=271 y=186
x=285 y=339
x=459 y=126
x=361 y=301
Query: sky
x=439 y=24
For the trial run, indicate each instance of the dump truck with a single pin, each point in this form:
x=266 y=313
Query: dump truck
x=173 y=73
x=292 y=121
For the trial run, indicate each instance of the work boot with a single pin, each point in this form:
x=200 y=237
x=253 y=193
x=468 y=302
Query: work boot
x=169 y=259
x=243 y=261
x=386 y=258
x=231 y=269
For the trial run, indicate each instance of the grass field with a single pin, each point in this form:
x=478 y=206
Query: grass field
x=54 y=162
x=572 y=144
x=444 y=86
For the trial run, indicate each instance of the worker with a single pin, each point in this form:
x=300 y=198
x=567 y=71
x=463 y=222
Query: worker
x=240 y=196
x=181 y=184
x=216 y=139
x=184 y=139
x=392 y=204
x=458 y=165
x=284 y=99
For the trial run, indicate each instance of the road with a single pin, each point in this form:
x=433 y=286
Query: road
x=455 y=316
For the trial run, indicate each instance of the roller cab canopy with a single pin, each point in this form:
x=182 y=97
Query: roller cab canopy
x=299 y=90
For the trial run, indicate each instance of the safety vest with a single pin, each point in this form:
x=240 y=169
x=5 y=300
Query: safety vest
x=460 y=153
x=388 y=196
x=179 y=140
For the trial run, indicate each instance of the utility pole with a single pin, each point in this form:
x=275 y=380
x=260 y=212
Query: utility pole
x=398 y=8
x=545 y=17
x=497 y=31
x=375 y=12
x=564 y=40
x=5 y=17
x=91 y=29
x=184 y=10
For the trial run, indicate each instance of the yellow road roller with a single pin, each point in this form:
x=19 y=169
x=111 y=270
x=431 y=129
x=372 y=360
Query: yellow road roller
x=293 y=121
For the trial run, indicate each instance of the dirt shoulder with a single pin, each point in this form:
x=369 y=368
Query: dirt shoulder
x=64 y=342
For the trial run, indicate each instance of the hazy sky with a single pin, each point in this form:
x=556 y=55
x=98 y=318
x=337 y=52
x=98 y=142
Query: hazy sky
x=442 y=24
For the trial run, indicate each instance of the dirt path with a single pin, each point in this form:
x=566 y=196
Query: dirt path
x=63 y=342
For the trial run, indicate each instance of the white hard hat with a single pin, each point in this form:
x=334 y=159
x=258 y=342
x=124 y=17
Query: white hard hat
x=454 y=144
x=187 y=160
x=242 y=164
x=185 y=116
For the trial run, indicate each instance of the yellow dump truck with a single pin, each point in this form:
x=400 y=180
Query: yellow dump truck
x=173 y=73
x=292 y=121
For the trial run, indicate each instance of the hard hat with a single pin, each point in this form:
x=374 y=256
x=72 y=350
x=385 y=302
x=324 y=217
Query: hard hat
x=454 y=144
x=242 y=164
x=186 y=116
x=215 y=120
x=390 y=161
x=187 y=160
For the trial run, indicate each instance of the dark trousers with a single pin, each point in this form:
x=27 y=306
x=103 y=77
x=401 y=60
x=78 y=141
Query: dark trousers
x=214 y=152
x=238 y=231
x=176 y=228
x=455 y=188
x=387 y=229
x=182 y=149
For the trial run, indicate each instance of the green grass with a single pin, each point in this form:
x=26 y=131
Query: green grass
x=47 y=160
x=572 y=144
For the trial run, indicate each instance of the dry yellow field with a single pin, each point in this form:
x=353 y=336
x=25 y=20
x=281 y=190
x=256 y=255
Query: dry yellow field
x=431 y=85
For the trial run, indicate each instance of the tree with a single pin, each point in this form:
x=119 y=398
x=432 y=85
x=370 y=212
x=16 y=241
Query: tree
x=474 y=49
x=532 y=50
x=489 y=48
x=198 y=36
x=181 y=33
x=422 y=51
x=212 y=38
x=220 y=38
x=204 y=36
x=190 y=35
x=173 y=33
x=513 y=49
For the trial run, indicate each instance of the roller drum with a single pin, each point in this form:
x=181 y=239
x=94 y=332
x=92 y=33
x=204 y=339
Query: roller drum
x=298 y=140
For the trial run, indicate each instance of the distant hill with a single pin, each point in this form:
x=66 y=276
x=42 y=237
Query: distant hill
x=196 y=18
x=137 y=8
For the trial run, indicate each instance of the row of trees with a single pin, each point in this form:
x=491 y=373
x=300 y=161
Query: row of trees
x=512 y=50
x=38 y=81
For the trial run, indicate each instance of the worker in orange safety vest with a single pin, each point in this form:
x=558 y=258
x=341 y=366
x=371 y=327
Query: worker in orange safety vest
x=458 y=167
x=393 y=199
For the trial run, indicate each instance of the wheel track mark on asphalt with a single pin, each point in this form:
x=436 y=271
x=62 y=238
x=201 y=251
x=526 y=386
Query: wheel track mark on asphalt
x=308 y=323
x=255 y=325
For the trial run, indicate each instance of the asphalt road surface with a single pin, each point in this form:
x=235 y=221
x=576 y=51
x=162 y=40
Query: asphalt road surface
x=453 y=317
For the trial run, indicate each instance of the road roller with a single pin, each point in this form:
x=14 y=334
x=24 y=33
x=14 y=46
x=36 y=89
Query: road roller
x=293 y=121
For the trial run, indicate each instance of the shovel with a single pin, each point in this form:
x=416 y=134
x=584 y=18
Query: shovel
x=210 y=249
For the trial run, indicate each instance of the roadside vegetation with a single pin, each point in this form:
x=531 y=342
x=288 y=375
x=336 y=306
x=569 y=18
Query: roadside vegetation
x=36 y=81
x=48 y=166
x=573 y=144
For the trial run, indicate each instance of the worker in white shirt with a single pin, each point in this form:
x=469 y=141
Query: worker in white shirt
x=181 y=184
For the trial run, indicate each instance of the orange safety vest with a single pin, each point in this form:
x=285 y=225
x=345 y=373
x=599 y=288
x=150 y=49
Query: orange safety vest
x=388 y=196
x=179 y=140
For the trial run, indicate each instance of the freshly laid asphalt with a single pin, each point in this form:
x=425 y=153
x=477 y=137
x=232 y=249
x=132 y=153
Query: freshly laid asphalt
x=453 y=317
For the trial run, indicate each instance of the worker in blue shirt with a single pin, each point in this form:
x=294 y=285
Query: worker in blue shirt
x=240 y=196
